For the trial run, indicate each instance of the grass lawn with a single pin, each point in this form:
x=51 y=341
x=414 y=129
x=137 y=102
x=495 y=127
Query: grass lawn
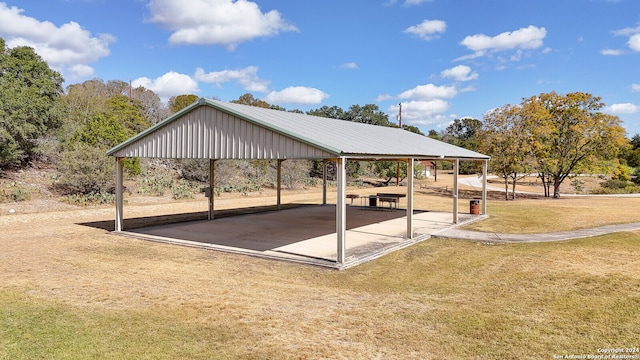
x=71 y=292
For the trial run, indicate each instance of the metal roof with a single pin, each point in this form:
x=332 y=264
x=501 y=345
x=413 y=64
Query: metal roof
x=219 y=130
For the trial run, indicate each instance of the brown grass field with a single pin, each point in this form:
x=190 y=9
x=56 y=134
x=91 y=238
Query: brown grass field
x=70 y=291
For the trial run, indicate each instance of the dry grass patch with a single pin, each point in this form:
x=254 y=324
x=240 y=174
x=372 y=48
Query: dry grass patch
x=529 y=216
x=72 y=291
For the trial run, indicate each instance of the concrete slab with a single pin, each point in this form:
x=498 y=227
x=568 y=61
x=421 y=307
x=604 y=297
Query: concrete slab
x=304 y=234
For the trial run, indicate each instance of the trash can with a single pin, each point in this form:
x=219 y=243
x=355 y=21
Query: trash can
x=474 y=207
x=373 y=201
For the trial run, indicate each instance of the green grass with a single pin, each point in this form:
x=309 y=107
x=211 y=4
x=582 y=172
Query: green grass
x=33 y=328
x=438 y=299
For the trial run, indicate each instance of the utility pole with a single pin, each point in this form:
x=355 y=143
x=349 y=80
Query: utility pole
x=400 y=124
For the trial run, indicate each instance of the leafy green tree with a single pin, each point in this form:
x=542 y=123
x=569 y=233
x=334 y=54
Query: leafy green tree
x=434 y=135
x=389 y=170
x=568 y=133
x=248 y=99
x=177 y=103
x=413 y=129
x=463 y=133
x=635 y=142
x=367 y=114
x=120 y=119
x=333 y=112
x=29 y=103
x=502 y=137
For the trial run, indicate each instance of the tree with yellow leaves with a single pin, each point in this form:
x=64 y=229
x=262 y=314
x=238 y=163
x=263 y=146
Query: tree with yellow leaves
x=568 y=134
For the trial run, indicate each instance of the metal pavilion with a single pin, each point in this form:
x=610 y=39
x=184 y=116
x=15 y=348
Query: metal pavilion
x=216 y=130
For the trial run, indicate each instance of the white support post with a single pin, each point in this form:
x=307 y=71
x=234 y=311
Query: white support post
x=279 y=185
x=410 y=164
x=485 y=165
x=341 y=209
x=119 y=194
x=456 y=170
x=324 y=182
x=211 y=200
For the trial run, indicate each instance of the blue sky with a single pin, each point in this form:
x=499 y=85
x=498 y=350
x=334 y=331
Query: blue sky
x=442 y=59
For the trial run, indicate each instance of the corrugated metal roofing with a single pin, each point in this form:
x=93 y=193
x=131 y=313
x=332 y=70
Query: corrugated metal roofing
x=219 y=130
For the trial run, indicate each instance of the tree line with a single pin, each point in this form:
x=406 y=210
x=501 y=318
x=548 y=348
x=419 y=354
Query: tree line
x=552 y=135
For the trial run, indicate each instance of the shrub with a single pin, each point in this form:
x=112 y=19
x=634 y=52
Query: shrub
x=155 y=182
x=617 y=186
x=614 y=184
x=16 y=195
x=184 y=189
x=93 y=198
x=636 y=176
x=86 y=169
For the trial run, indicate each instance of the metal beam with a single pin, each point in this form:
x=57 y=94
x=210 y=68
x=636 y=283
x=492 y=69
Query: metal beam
x=456 y=170
x=324 y=182
x=485 y=165
x=211 y=200
x=410 y=164
x=119 y=194
x=341 y=211
x=279 y=185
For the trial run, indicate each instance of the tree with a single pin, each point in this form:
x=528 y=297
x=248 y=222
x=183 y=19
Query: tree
x=29 y=103
x=502 y=137
x=177 y=103
x=84 y=166
x=333 y=112
x=413 y=129
x=154 y=110
x=568 y=133
x=248 y=99
x=434 y=134
x=635 y=142
x=463 y=133
x=368 y=114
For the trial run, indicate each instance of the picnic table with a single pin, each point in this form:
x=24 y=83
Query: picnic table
x=393 y=200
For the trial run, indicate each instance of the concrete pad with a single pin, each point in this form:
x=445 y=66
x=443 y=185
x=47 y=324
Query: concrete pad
x=303 y=234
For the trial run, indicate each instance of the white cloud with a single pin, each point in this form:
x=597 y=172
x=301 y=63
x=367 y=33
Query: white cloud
x=384 y=97
x=428 y=92
x=634 y=42
x=428 y=29
x=415 y=2
x=525 y=38
x=349 y=65
x=296 y=95
x=80 y=71
x=422 y=112
x=625 y=108
x=627 y=31
x=247 y=78
x=459 y=73
x=68 y=48
x=216 y=22
x=611 y=52
x=635 y=87
x=168 y=85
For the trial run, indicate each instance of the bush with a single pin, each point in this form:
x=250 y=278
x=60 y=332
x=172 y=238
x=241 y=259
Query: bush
x=617 y=186
x=16 y=195
x=99 y=198
x=636 y=176
x=155 y=182
x=184 y=189
x=86 y=169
